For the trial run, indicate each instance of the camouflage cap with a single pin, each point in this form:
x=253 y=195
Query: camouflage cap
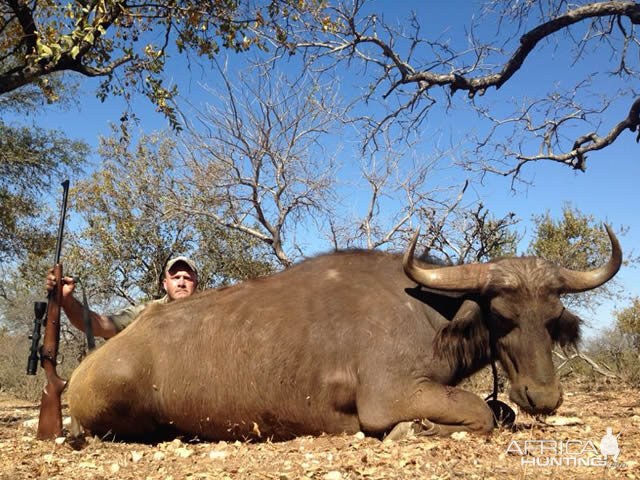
x=179 y=259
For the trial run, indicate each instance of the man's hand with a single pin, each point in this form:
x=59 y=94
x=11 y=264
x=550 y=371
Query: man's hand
x=68 y=285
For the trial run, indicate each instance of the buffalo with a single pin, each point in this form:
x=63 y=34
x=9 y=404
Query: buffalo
x=343 y=342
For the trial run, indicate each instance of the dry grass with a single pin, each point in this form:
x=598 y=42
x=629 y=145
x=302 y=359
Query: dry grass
x=594 y=406
x=14 y=352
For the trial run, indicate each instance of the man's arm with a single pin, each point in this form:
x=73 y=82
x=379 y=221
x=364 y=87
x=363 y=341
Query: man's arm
x=103 y=326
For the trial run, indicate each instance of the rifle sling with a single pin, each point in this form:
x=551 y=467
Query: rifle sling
x=88 y=326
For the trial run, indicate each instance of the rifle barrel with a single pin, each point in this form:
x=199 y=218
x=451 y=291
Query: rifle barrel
x=65 y=193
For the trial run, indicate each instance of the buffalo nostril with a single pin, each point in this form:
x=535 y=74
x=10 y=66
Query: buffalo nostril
x=529 y=399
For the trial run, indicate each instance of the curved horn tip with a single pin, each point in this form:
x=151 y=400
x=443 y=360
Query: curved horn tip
x=576 y=281
x=414 y=239
x=616 y=249
x=407 y=260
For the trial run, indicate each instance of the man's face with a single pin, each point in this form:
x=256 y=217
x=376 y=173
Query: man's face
x=180 y=281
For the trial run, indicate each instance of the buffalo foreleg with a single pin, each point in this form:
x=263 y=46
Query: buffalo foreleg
x=431 y=409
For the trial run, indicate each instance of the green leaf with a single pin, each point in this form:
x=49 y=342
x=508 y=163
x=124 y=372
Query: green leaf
x=43 y=50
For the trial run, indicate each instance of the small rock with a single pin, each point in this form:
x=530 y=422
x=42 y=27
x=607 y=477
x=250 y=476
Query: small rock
x=333 y=475
x=183 y=452
x=459 y=435
x=136 y=456
x=114 y=468
x=60 y=440
x=216 y=454
x=31 y=423
x=358 y=436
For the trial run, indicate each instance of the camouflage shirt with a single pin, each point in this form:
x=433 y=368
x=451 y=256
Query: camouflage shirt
x=123 y=318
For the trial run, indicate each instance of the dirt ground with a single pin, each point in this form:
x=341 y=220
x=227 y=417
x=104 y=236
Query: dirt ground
x=577 y=429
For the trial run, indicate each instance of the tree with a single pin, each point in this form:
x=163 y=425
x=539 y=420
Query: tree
x=254 y=161
x=407 y=74
x=399 y=188
x=33 y=161
x=405 y=194
x=628 y=323
x=617 y=348
x=474 y=234
x=112 y=39
x=127 y=237
x=577 y=242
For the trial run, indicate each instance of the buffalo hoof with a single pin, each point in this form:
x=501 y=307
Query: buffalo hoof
x=417 y=428
x=503 y=414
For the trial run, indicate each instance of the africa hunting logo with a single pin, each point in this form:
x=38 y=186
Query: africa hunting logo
x=570 y=453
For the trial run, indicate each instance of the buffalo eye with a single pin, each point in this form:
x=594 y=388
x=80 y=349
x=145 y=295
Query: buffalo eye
x=502 y=324
x=565 y=329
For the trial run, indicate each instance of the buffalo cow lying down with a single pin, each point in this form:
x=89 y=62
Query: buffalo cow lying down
x=343 y=342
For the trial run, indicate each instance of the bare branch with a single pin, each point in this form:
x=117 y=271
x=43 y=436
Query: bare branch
x=589 y=142
x=566 y=358
x=254 y=159
x=401 y=70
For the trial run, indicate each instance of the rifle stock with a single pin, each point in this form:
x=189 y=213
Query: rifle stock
x=50 y=420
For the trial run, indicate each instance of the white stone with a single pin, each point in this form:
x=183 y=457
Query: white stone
x=333 y=475
x=184 y=452
x=136 y=456
x=216 y=454
x=158 y=456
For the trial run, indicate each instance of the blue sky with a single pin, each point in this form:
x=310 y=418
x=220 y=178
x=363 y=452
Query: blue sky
x=608 y=190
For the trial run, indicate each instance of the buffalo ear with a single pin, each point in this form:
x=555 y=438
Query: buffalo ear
x=565 y=329
x=464 y=338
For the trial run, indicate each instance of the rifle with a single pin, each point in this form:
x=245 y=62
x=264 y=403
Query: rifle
x=50 y=421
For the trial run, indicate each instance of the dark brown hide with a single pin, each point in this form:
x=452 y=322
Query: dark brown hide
x=339 y=343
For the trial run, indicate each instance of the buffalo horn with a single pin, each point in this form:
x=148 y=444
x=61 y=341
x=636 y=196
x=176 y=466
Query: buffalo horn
x=472 y=277
x=576 y=281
